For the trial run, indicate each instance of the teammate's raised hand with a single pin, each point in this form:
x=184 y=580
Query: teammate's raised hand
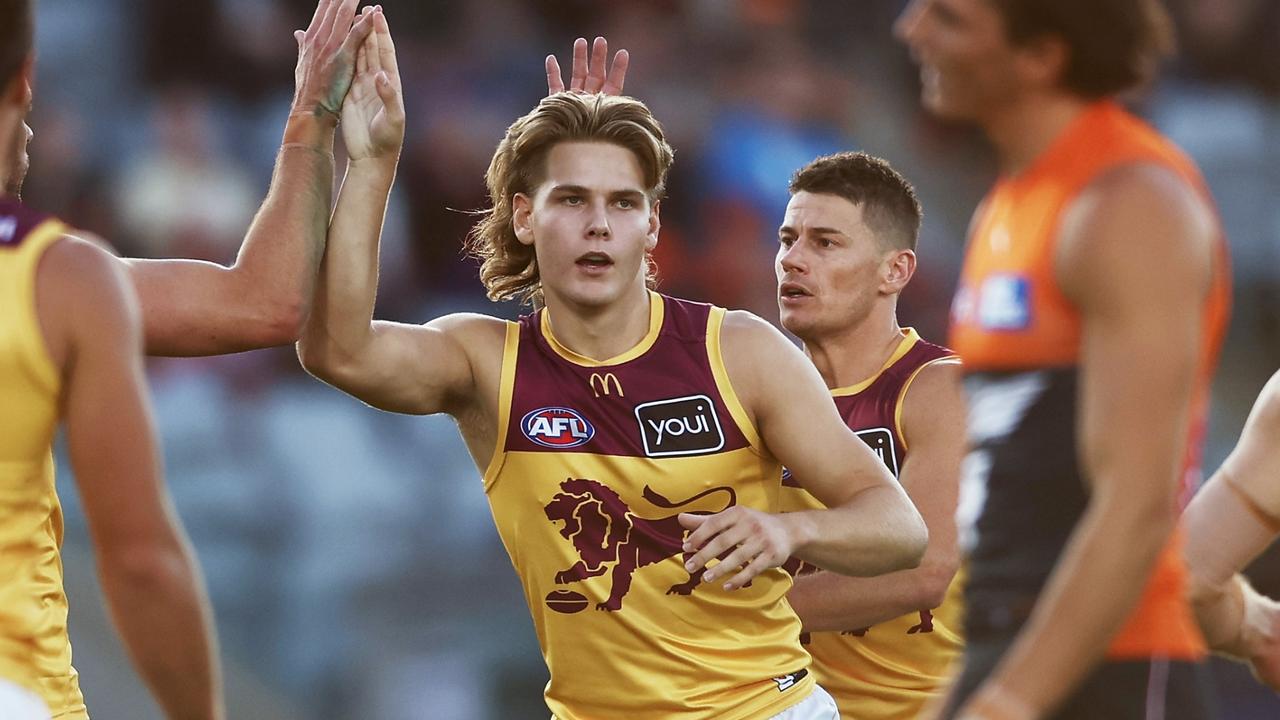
x=327 y=56
x=590 y=76
x=373 y=115
x=746 y=540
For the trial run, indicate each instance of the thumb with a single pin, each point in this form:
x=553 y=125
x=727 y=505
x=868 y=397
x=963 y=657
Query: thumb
x=299 y=35
x=690 y=521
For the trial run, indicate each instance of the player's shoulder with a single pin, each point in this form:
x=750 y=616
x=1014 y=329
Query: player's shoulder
x=82 y=260
x=1142 y=192
x=934 y=392
x=749 y=332
x=472 y=330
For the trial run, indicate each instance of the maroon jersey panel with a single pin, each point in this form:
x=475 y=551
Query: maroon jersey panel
x=663 y=403
x=17 y=221
x=872 y=413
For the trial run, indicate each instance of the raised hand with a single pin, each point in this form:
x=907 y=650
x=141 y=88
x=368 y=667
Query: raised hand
x=327 y=57
x=746 y=540
x=590 y=77
x=373 y=115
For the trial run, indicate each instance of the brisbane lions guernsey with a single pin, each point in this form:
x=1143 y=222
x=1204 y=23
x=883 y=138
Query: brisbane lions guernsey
x=1023 y=490
x=893 y=669
x=594 y=462
x=35 y=650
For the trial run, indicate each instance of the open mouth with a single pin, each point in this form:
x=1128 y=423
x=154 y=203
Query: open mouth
x=594 y=261
x=790 y=290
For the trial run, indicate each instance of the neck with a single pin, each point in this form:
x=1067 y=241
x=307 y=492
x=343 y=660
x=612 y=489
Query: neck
x=1024 y=129
x=604 y=332
x=855 y=353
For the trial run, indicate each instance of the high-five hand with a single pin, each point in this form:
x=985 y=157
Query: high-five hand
x=373 y=115
x=327 y=57
x=590 y=77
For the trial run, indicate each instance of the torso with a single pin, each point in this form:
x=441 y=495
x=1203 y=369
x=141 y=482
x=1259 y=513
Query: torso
x=893 y=669
x=1019 y=335
x=35 y=650
x=591 y=463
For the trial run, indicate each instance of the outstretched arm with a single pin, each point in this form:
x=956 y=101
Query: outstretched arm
x=1233 y=518
x=199 y=308
x=392 y=366
x=149 y=575
x=870 y=528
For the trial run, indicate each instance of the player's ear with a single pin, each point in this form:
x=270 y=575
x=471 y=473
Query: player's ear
x=898 y=269
x=655 y=224
x=522 y=218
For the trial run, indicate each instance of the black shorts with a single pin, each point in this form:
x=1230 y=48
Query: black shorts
x=1154 y=689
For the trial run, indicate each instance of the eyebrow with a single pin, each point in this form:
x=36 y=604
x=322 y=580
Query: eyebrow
x=580 y=190
x=816 y=231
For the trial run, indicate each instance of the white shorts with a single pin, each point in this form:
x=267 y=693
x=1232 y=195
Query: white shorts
x=818 y=706
x=18 y=703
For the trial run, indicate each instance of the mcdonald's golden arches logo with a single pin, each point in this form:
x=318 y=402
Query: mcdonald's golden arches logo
x=606 y=381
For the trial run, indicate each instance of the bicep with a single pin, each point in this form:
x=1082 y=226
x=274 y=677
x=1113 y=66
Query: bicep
x=1135 y=258
x=418 y=369
x=796 y=418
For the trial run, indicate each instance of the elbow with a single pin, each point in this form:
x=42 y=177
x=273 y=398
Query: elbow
x=914 y=541
x=145 y=568
x=322 y=360
x=283 y=323
x=934 y=579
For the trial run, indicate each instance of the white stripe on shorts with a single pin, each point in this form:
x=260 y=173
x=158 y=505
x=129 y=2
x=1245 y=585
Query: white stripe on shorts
x=17 y=703
x=818 y=706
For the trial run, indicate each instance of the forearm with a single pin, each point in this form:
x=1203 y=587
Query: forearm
x=877 y=531
x=158 y=601
x=1073 y=622
x=827 y=602
x=341 y=323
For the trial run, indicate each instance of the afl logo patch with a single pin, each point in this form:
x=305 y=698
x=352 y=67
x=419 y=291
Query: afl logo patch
x=557 y=427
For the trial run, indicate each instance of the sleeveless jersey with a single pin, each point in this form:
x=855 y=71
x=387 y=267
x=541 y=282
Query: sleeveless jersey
x=1023 y=491
x=35 y=650
x=890 y=670
x=594 y=462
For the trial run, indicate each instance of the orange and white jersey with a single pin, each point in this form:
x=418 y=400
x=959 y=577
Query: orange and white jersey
x=1019 y=336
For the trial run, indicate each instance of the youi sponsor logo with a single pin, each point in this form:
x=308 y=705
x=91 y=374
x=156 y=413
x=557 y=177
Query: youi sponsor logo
x=557 y=427
x=680 y=426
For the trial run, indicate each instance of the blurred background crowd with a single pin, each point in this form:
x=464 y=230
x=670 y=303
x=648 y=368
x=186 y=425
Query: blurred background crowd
x=350 y=554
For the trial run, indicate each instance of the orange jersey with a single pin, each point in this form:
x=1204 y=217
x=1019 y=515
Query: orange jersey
x=893 y=669
x=35 y=650
x=1019 y=336
x=595 y=461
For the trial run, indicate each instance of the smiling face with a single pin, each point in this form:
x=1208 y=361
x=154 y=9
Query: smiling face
x=590 y=223
x=832 y=270
x=968 y=67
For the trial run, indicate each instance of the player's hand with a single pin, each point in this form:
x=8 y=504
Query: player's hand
x=1264 y=656
x=327 y=57
x=590 y=77
x=746 y=541
x=373 y=114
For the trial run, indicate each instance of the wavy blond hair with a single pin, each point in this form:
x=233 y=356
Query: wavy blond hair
x=508 y=268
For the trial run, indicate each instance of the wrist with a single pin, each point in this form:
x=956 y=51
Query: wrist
x=377 y=165
x=994 y=702
x=800 y=528
x=308 y=128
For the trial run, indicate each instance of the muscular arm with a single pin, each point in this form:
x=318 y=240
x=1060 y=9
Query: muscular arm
x=200 y=308
x=1135 y=256
x=1233 y=518
x=870 y=527
x=933 y=421
x=150 y=578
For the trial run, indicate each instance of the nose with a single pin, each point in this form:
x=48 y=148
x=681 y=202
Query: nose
x=598 y=222
x=791 y=259
x=907 y=26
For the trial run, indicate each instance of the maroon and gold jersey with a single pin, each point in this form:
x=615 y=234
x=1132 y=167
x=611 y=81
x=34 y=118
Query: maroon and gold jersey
x=594 y=462
x=889 y=670
x=35 y=650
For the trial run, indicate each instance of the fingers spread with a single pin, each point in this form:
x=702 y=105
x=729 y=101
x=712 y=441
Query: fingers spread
x=555 y=81
x=578 y=74
x=617 y=73
x=595 y=71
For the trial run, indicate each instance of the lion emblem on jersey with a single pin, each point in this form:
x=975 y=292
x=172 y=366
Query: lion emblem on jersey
x=609 y=537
